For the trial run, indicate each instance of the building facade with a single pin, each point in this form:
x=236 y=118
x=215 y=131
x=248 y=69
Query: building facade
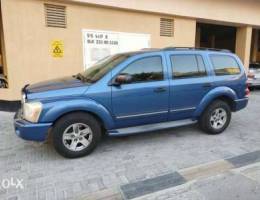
x=45 y=39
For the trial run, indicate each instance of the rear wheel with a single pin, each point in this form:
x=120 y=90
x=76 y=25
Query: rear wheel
x=76 y=135
x=216 y=117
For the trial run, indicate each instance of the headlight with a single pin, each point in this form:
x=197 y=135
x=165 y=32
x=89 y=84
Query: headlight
x=23 y=98
x=32 y=111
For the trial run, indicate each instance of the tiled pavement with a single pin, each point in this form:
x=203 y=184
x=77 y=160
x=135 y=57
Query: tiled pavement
x=237 y=184
x=119 y=161
x=156 y=187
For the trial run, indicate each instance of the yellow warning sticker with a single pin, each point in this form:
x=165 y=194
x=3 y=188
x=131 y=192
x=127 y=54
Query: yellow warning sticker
x=57 y=48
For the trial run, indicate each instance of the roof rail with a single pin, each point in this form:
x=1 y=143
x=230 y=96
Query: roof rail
x=150 y=49
x=195 y=48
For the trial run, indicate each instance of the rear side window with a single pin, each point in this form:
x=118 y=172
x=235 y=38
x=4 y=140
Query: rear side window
x=224 y=65
x=187 y=66
x=145 y=69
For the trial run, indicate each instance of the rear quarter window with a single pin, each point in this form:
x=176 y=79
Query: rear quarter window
x=224 y=65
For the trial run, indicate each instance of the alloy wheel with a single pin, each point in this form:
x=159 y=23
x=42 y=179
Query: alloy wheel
x=218 y=118
x=77 y=137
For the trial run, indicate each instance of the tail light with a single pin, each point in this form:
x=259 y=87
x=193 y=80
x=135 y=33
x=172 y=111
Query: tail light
x=247 y=91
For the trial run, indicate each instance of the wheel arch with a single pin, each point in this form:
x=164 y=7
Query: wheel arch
x=56 y=110
x=84 y=112
x=221 y=93
x=228 y=100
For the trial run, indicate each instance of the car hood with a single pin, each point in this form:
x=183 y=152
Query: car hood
x=55 y=89
x=54 y=84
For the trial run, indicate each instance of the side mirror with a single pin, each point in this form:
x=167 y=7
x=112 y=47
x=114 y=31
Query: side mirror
x=122 y=79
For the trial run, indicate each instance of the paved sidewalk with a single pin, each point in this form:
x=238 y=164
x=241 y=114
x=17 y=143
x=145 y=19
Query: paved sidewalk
x=237 y=184
x=154 y=187
x=119 y=161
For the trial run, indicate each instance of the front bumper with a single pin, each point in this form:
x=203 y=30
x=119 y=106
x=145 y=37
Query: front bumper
x=30 y=131
x=241 y=103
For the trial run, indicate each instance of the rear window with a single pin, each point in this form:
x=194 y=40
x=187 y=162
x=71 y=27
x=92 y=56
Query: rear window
x=224 y=65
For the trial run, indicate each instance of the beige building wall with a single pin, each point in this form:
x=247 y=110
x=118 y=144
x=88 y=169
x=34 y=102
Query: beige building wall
x=224 y=11
x=28 y=40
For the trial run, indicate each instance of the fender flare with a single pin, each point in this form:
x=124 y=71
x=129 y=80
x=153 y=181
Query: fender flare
x=212 y=95
x=54 y=110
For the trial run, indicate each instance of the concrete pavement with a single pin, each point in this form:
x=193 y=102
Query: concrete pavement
x=236 y=184
x=126 y=160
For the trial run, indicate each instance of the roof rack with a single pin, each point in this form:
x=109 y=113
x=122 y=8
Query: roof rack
x=150 y=49
x=195 y=48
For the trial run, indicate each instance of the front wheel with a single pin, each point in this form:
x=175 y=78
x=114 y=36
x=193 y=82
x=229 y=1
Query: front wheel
x=216 y=117
x=76 y=135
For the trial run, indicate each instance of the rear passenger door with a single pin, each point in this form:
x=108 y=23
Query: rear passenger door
x=189 y=82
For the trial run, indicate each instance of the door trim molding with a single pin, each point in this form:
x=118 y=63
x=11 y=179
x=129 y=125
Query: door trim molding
x=143 y=114
x=183 y=109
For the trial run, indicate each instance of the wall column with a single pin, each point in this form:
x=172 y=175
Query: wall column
x=212 y=41
x=254 y=45
x=198 y=35
x=243 y=44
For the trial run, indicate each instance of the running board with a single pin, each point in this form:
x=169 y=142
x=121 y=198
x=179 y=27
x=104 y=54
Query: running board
x=150 y=127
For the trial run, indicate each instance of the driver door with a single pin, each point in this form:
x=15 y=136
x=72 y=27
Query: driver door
x=145 y=98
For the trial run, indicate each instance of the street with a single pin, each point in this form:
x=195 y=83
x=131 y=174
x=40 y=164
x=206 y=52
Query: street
x=119 y=162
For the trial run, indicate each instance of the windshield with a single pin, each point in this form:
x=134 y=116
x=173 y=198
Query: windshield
x=99 y=69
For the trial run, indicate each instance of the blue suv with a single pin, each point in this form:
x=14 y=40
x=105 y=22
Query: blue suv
x=131 y=93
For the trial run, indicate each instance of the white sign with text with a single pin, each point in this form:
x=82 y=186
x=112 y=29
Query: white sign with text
x=98 y=44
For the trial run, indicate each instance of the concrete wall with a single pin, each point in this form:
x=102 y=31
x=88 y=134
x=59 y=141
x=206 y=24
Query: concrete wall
x=230 y=11
x=28 y=40
x=243 y=44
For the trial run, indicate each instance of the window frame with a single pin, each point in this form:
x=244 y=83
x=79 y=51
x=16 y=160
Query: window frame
x=213 y=68
x=188 y=54
x=137 y=59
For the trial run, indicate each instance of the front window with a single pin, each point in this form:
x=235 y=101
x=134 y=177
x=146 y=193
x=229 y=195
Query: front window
x=102 y=67
x=145 y=69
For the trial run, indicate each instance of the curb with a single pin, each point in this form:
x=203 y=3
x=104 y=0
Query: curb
x=174 y=179
x=10 y=106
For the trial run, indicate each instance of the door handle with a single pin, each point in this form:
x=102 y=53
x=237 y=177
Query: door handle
x=159 y=89
x=207 y=85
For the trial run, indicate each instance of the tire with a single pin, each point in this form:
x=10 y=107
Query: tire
x=215 y=124
x=72 y=131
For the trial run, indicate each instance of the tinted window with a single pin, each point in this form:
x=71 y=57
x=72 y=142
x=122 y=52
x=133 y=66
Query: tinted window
x=187 y=66
x=98 y=70
x=145 y=69
x=224 y=65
